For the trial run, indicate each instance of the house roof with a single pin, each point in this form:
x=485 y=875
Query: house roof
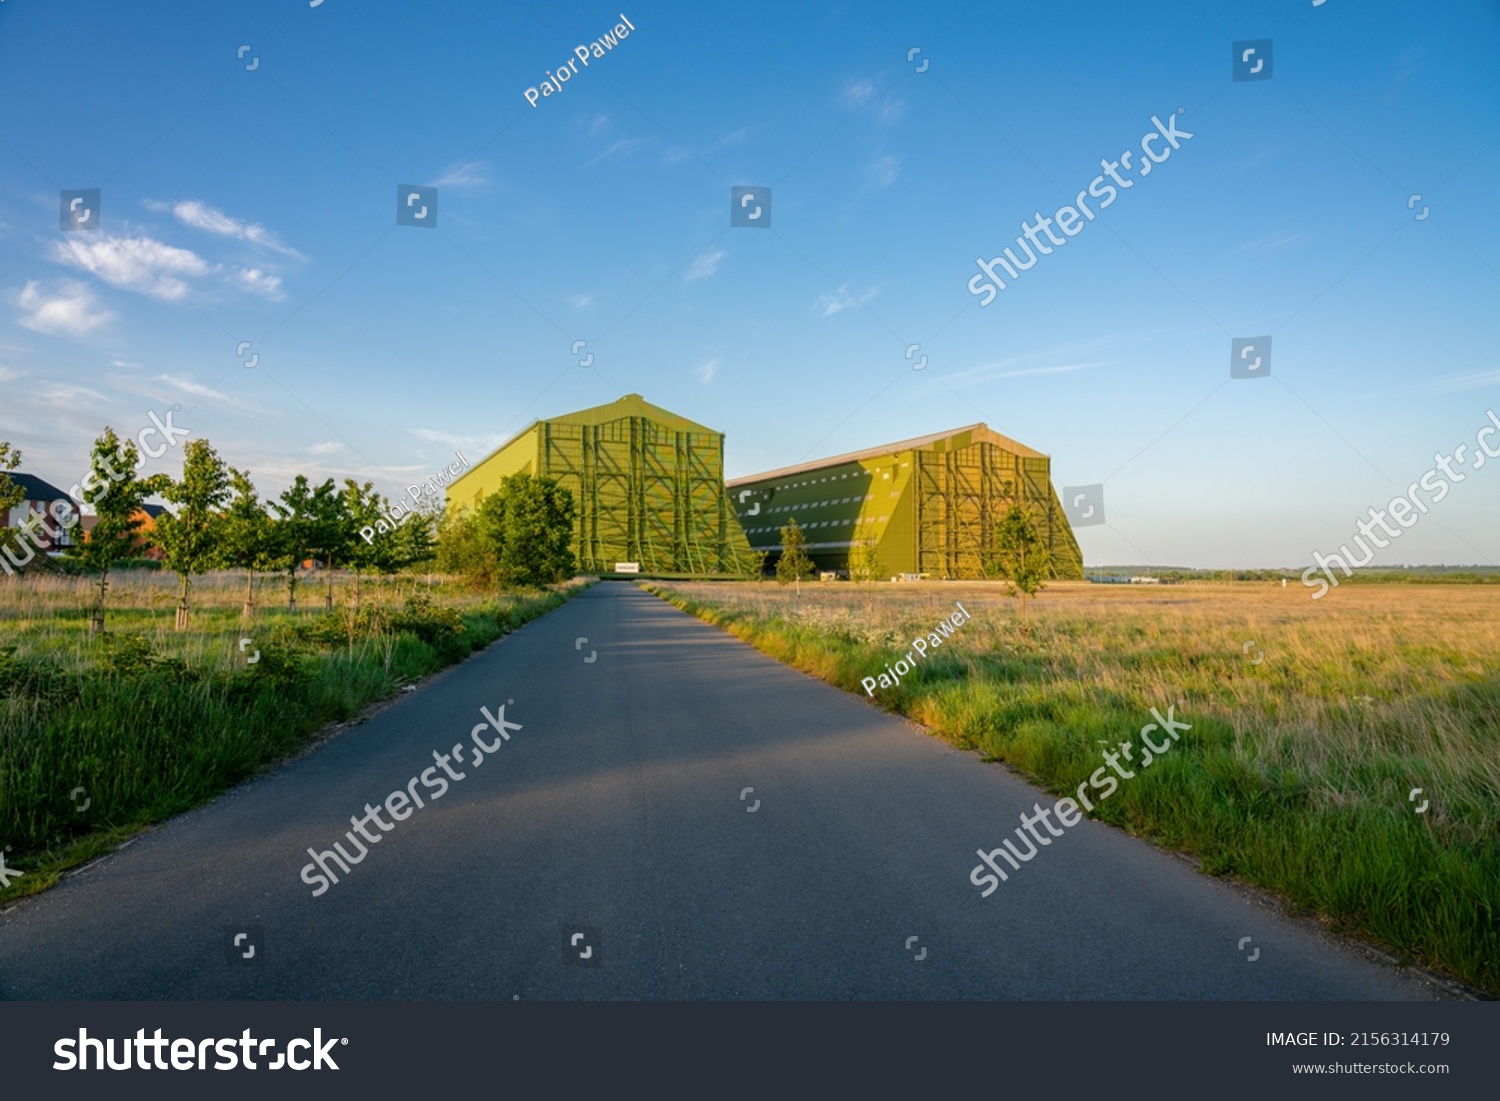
x=37 y=489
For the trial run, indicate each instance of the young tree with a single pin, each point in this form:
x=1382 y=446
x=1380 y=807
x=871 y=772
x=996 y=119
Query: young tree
x=866 y=568
x=116 y=495
x=363 y=507
x=794 y=566
x=415 y=540
x=248 y=536
x=528 y=526
x=333 y=534
x=1021 y=556
x=301 y=511
x=466 y=548
x=192 y=538
x=11 y=495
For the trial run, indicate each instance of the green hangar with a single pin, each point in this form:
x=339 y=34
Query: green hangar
x=929 y=506
x=647 y=485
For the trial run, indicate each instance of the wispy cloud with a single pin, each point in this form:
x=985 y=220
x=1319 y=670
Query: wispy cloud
x=705 y=265
x=678 y=154
x=258 y=282
x=188 y=386
x=191 y=212
x=141 y=264
x=447 y=439
x=333 y=447
x=883 y=171
x=890 y=112
x=1474 y=380
x=9 y=375
x=71 y=310
x=706 y=371
x=624 y=147
x=1270 y=242
x=464 y=176
x=67 y=395
x=996 y=371
x=840 y=300
x=857 y=93
x=580 y=301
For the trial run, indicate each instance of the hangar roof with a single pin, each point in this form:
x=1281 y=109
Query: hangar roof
x=960 y=437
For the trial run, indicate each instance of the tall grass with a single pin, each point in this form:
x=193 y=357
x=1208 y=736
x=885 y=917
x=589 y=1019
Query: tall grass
x=1297 y=770
x=99 y=737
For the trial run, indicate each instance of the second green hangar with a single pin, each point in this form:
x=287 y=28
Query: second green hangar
x=649 y=488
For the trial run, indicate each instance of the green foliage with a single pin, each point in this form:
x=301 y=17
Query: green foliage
x=415 y=541
x=463 y=552
x=133 y=655
x=116 y=495
x=34 y=679
x=794 y=566
x=525 y=531
x=1021 y=555
x=192 y=538
x=304 y=515
x=866 y=568
x=11 y=494
x=247 y=536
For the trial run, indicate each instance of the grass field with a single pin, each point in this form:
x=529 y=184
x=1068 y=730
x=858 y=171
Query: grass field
x=1298 y=767
x=101 y=737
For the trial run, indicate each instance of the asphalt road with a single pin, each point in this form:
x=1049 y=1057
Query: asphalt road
x=617 y=807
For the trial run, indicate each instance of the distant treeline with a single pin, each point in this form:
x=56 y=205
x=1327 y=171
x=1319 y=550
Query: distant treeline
x=1433 y=575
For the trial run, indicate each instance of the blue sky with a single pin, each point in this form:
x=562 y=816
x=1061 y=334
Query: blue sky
x=259 y=205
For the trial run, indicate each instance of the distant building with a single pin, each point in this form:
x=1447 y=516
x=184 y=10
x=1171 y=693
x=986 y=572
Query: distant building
x=144 y=544
x=647 y=486
x=929 y=506
x=47 y=501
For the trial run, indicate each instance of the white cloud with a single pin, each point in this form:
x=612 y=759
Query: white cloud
x=705 y=265
x=580 y=301
x=990 y=370
x=882 y=171
x=198 y=215
x=258 y=282
x=66 y=395
x=139 y=264
x=447 y=439
x=463 y=176
x=857 y=93
x=680 y=153
x=1474 y=380
x=706 y=371
x=1272 y=241
x=331 y=448
x=891 y=111
x=187 y=386
x=8 y=375
x=841 y=300
x=71 y=310
x=624 y=145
